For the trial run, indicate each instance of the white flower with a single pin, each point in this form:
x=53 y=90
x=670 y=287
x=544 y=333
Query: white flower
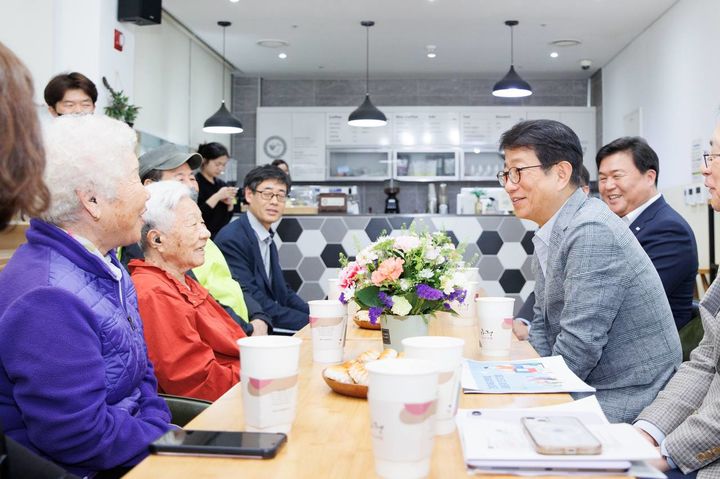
x=406 y=243
x=405 y=284
x=432 y=253
x=401 y=306
x=425 y=273
x=366 y=257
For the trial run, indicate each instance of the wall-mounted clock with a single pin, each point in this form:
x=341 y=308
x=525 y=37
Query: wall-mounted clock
x=275 y=147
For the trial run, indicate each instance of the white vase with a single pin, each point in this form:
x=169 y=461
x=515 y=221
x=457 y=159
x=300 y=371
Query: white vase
x=397 y=328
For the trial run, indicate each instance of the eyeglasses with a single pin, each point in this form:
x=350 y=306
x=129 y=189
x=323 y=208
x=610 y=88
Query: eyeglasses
x=269 y=195
x=513 y=174
x=709 y=157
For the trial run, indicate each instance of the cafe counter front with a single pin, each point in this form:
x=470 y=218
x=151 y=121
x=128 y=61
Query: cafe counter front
x=499 y=245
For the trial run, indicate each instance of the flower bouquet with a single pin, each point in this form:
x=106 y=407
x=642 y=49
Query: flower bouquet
x=411 y=274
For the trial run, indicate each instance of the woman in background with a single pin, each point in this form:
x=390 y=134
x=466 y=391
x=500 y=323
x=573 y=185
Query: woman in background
x=216 y=199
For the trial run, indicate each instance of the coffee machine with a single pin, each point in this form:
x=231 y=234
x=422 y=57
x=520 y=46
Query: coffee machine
x=392 y=205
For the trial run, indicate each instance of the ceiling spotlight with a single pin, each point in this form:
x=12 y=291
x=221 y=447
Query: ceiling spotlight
x=282 y=55
x=554 y=55
x=234 y=1
x=431 y=51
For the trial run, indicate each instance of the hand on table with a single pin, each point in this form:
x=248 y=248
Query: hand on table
x=521 y=330
x=260 y=327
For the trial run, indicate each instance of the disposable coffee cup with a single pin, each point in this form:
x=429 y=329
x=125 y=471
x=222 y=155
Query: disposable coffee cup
x=328 y=323
x=495 y=320
x=333 y=291
x=402 y=396
x=446 y=353
x=269 y=380
x=466 y=311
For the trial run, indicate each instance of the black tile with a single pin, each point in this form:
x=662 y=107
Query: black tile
x=331 y=255
x=293 y=279
x=453 y=238
x=399 y=222
x=512 y=281
x=527 y=242
x=289 y=230
x=489 y=242
x=377 y=227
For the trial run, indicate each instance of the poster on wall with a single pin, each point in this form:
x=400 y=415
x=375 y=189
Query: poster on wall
x=696 y=159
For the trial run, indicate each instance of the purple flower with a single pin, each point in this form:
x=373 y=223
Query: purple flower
x=457 y=295
x=374 y=314
x=342 y=298
x=446 y=305
x=426 y=292
x=385 y=299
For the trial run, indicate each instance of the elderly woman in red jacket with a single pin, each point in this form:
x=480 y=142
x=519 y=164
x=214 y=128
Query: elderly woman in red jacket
x=191 y=339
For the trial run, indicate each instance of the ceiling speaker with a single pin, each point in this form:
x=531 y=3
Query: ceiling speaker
x=140 y=12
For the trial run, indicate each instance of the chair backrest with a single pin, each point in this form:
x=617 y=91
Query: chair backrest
x=184 y=409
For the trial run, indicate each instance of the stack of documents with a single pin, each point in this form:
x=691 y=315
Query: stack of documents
x=494 y=442
x=533 y=376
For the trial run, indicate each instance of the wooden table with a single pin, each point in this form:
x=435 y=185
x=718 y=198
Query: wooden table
x=330 y=437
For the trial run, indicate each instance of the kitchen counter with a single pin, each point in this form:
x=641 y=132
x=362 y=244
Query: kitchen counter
x=500 y=245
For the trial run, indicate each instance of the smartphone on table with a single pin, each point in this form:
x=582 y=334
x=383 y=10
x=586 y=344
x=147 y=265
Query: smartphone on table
x=558 y=435
x=263 y=445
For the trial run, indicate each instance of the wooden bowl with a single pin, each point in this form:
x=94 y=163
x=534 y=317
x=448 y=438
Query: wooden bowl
x=352 y=390
x=362 y=324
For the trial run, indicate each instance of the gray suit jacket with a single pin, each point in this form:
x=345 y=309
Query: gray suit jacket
x=602 y=307
x=688 y=409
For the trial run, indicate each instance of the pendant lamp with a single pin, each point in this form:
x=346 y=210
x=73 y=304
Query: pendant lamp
x=512 y=86
x=222 y=120
x=367 y=114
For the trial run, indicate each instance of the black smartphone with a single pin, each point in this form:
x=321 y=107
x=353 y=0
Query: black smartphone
x=219 y=443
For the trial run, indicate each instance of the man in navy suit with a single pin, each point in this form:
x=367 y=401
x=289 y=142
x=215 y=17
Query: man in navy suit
x=248 y=246
x=628 y=171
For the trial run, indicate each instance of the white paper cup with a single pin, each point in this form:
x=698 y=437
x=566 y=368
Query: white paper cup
x=495 y=317
x=446 y=353
x=328 y=322
x=402 y=395
x=333 y=290
x=269 y=377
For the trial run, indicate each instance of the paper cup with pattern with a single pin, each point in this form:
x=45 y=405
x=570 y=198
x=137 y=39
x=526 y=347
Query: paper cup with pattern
x=333 y=291
x=446 y=353
x=402 y=396
x=328 y=322
x=495 y=321
x=269 y=381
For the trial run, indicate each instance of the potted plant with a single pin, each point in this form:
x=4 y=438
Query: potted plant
x=403 y=279
x=120 y=108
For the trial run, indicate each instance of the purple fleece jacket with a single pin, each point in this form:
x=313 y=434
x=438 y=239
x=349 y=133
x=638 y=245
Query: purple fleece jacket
x=76 y=384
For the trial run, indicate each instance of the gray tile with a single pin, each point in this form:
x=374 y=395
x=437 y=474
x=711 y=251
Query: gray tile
x=311 y=223
x=244 y=152
x=479 y=87
x=490 y=268
x=356 y=222
x=422 y=224
x=511 y=230
x=290 y=256
x=354 y=241
x=490 y=223
x=334 y=230
x=341 y=87
x=289 y=88
x=287 y=100
x=311 y=269
x=446 y=86
x=393 y=87
x=239 y=81
x=446 y=100
x=526 y=269
x=339 y=100
x=245 y=99
x=311 y=291
x=472 y=255
x=395 y=100
x=248 y=121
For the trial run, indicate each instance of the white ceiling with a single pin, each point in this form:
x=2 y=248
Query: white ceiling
x=327 y=40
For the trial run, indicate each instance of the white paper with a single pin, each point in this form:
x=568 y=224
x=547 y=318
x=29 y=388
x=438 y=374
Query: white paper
x=529 y=376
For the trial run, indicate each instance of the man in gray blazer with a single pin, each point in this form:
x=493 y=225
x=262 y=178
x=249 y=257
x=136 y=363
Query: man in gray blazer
x=684 y=420
x=599 y=301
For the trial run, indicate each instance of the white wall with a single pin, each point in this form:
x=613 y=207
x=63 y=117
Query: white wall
x=672 y=73
x=178 y=83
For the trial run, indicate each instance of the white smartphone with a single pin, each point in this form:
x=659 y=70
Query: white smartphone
x=560 y=435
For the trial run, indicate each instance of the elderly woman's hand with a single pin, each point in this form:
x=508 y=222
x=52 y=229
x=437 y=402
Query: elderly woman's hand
x=260 y=328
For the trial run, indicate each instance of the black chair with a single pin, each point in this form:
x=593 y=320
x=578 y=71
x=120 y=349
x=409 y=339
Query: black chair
x=184 y=409
x=18 y=462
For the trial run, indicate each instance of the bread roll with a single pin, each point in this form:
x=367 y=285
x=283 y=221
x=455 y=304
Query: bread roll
x=368 y=356
x=338 y=373
x=358 y=373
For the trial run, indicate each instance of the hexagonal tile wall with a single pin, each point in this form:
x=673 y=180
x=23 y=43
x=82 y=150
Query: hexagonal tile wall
x=293 y=279
x=289 y=229
x=527 y=242
x=311 y=243
x=511 y=255
x=511 y=230
x=331 y=255
x=311 y=269
x=377 y=227
x=512 y=281
x=289 y=255
x=311 y=290
x=334 y=230
x=489 y=242
x=354 y=241
x=490 y=268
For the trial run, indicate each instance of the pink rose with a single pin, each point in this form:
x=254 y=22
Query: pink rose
x=348 y=274
x=390 y=269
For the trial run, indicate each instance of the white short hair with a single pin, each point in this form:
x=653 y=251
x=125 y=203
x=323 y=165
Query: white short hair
x=81 y=153
x=160 y=208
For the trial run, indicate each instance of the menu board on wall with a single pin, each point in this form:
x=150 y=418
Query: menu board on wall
x=339 y=133
x=308 y=146
x=486 y=128
x=429 y=129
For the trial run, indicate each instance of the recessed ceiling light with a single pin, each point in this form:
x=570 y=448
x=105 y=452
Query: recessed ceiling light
x=282 y=55
x=566 y=42
x=234 y=1
x=554 y=55
x=272 y=43
x=430 y=49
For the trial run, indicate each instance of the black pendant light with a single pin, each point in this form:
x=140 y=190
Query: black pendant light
x=223 y=121
x=512 y=86
x=367 y=114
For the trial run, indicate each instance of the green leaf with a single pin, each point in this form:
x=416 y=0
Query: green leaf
x=368 y=296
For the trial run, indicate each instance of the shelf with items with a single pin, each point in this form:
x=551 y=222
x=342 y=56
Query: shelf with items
x=358 y=164
x=426 y=165
x=480 y=165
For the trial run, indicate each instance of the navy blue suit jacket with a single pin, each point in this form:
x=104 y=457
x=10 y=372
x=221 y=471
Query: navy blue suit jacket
x=238 y=242
x=670 y=243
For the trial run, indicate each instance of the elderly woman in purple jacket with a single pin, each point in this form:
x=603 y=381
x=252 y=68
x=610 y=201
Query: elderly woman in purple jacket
x=76 y=385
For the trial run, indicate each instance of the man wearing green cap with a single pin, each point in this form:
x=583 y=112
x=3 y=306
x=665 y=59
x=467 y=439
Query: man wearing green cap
x=168 y=163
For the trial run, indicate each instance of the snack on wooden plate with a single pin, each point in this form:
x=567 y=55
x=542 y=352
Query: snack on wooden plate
x=339 y=373
x=388 y=353
x=342 y=377
x=368 y=356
